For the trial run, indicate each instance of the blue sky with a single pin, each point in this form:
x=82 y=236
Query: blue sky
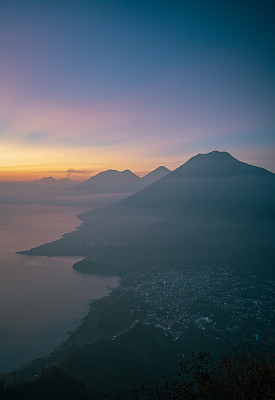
x=134 y=84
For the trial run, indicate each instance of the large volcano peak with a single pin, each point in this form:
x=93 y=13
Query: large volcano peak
x=217 y=163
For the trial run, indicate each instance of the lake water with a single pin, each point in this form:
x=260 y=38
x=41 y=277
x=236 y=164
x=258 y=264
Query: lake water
x=41 y=298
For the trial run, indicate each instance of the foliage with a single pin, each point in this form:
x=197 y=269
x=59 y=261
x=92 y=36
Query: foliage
x=241 y=375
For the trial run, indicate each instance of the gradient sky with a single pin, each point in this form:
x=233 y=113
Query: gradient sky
x=93 y=85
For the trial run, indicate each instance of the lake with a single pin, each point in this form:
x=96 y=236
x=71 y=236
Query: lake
x=41 y=298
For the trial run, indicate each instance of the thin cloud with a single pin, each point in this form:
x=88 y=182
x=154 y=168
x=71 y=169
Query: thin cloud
x=71 y=171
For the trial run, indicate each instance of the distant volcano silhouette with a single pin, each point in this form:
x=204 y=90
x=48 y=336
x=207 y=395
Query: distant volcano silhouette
x=217 y=163
x=113 y=181
x=154 y=175
x=212 y=209
x=110 y=181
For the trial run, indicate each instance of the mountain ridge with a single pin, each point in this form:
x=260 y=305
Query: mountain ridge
x=179 y=219
x=110 y=181
x=113 y=181
x=216 y=163
x=154 y=175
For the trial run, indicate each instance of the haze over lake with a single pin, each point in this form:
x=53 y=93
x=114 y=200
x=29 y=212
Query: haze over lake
x=153 y=121
x=41 y=298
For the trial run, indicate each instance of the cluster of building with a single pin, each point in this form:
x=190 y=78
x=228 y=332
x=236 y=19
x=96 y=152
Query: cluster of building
x=211 y=301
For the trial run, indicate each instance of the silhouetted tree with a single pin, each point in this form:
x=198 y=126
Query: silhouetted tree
x=241 y=375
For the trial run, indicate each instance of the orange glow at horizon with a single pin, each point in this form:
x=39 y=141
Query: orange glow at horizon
x=29 y=175
x=20 y=163
x=24 y=164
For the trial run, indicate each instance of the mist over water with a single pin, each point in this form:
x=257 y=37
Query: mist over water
x=41 y=298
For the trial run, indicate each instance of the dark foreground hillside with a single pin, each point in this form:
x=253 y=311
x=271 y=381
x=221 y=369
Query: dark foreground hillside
x=242 y=375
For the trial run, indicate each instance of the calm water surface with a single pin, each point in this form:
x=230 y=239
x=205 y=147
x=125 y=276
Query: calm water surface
x=41 y=298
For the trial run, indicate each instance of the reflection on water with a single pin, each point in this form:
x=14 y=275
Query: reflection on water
x=41 y=298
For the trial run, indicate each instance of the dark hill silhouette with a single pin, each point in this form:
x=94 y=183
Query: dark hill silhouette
x=212 y=209
x=50 y=181
x=140 y=372
x=154 y=176
x=217 y=164
x=207 y=181
x=46 y=179
x=110 y=181
x=113 y=181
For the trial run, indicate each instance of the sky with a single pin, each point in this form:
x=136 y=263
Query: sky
x=93 y=85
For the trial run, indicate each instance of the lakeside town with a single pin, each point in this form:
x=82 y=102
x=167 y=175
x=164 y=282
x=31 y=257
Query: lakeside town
x=204 y=301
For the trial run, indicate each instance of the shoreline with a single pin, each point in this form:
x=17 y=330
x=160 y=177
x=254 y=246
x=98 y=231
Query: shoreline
x=85 y=333
x=73 y=322
x=129 y=317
